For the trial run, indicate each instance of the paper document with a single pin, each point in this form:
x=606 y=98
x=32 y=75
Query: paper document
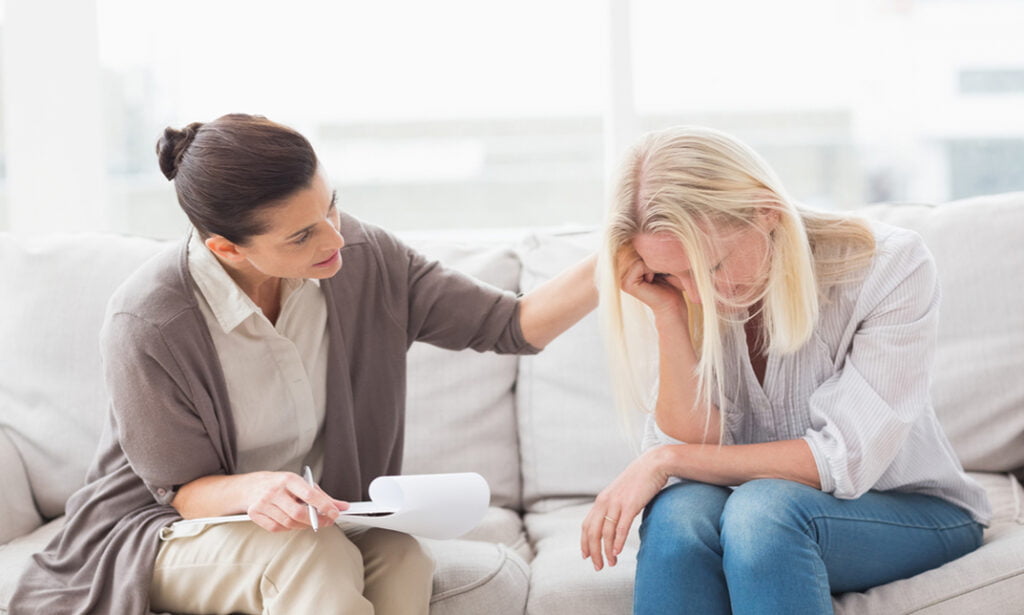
x=438 y=506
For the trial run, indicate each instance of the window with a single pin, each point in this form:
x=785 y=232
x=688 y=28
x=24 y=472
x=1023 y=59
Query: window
x=992 y=81
x=851 y=102
x=980 y=166
x=442 y=114
x=457 y=113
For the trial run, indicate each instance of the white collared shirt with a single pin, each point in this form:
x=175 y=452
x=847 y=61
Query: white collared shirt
x=276 y=374
x=857 y=392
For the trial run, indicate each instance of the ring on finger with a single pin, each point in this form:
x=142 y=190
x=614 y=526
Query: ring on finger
x=607 y=518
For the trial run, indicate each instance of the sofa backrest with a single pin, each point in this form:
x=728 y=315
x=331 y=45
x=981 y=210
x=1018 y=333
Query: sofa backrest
x=460 y=413
x=978 y=377
x=573 y=439
x=52 y=398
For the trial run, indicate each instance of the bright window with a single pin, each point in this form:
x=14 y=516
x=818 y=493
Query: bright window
x=456 y=113
x=851 y=102
x=426 y=114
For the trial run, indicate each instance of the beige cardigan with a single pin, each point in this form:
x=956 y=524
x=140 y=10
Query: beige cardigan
x=170 y=421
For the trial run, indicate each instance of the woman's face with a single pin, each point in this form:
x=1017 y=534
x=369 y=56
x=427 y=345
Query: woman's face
x=737 y=259
x=302 y=240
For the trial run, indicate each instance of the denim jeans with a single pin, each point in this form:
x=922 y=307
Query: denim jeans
x=775 y=546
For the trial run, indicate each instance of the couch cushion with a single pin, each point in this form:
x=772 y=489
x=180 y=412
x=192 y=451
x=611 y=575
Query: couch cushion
x=17 y=507
x=502 y=526
x=460 y=413
x=573 y=439
x=477 y=577
x=1006 y=495
x=977 y=386
x=561 y=581
x=484 y=571
x=14 y=557
x=52 y=399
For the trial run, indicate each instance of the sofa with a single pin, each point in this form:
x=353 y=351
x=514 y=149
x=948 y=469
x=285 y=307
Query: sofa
x=541 y=429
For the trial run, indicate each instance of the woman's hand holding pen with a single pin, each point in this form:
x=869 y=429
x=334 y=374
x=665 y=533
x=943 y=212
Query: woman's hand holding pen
x=279 y=501
x=275 y=501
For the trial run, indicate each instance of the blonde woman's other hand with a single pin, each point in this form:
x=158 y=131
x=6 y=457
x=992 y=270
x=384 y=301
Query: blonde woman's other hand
x=607 y=525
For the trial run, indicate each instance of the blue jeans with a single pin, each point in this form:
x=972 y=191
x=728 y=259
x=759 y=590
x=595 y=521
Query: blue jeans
x=775 y=546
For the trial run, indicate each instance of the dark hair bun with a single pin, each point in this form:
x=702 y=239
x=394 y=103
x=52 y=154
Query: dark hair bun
x=172 y=145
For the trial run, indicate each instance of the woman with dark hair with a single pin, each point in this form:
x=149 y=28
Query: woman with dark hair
x=237 y=358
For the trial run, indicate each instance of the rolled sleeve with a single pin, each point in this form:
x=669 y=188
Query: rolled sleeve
x=452 y=310
x=862 y=416
x=165 y=440
x=653 y=435
x=447 y=308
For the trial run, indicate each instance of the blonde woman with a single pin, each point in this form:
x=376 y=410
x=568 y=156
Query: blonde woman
x=792 y=451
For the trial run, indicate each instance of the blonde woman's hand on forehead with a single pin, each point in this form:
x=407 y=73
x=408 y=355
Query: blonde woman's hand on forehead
x=653 y=289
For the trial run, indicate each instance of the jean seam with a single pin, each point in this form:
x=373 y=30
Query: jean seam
x=821 y=548
x=816 y=518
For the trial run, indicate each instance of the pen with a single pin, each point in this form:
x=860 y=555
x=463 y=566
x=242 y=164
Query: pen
x=308 y=475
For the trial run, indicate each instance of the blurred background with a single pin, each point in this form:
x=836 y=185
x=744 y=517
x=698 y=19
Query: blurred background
x=477 y=113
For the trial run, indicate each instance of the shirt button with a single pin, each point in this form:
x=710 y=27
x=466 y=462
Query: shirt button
x=161 y=491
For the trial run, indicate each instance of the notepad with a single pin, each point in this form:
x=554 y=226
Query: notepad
x=440 y=506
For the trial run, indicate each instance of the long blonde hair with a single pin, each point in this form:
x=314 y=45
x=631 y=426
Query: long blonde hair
x=686 y=181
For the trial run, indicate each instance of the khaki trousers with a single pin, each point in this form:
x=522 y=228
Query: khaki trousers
x=242 y=568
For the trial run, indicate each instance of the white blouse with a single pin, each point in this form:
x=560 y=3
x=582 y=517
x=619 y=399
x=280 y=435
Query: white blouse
x=857 y=392
x=276 y=374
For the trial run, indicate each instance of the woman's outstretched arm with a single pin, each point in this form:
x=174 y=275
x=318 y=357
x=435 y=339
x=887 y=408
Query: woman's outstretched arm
x=557 y=304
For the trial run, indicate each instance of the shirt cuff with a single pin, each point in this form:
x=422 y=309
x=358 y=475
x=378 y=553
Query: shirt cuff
x=828 y=485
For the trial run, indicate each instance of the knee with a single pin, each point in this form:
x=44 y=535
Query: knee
x=401 y=552
x=324 y=563
x=680 y=520
x=329 y=546
x=415 y=556
x=759 y=516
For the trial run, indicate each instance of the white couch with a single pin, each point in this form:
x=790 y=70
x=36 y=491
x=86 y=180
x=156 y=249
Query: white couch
x=541 y=429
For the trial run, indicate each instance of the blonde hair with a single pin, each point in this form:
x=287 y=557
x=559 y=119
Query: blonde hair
x=687 y=181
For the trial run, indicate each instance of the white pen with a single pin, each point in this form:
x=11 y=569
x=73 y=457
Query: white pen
x=308 y=475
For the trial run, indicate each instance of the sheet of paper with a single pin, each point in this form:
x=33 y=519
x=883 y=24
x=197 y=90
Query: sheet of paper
x=440 y=506
x=429 y=505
